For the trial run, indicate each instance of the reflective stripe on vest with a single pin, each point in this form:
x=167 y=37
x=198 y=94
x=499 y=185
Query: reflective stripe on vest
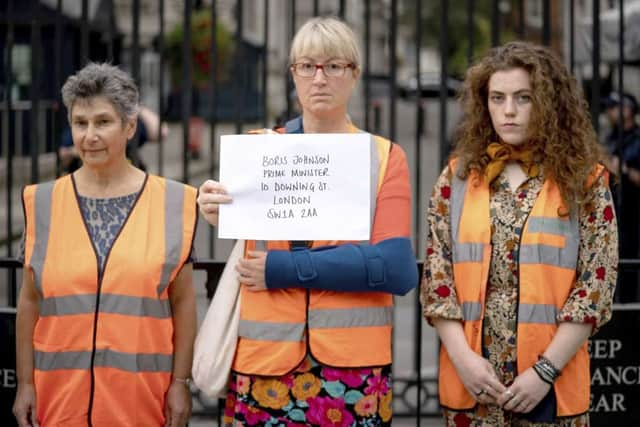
x=471 y=311
x=527 y=313
x=376 y=178
x=174 y=199
x=42 y=216
x=104 y=358
x=109 y=303
x=271 y=331
x=318 y=318
x=537 y=313
x=281 y=333
x=350 y=317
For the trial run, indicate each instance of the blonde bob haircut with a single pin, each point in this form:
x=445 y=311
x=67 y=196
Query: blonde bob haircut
x=325 y=36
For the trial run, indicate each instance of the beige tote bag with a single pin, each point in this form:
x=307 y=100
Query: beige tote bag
x=217 y=338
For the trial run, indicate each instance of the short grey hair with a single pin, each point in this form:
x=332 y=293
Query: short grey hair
x=103 y=80
x=325 y=36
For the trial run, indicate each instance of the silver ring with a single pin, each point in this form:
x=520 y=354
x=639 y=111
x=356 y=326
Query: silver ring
x=481 y=392
x=510 y=394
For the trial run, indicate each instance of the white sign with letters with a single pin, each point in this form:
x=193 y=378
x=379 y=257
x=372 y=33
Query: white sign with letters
x=297 y=186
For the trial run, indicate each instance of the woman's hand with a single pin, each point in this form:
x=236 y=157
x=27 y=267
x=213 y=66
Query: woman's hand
x=210 y=195
x=525 y=393
x=24 y=407
x=251 y=271
x=177 y=405
x=476 y=373
x=478 y=377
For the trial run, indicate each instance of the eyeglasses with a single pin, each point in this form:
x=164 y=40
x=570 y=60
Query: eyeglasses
x=330 y=69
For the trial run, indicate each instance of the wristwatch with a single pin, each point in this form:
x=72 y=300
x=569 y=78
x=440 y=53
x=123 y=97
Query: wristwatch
x=186 y=381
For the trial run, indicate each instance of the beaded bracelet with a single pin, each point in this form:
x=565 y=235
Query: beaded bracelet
x=542 y=375
x=550 y=364
x=546 y=370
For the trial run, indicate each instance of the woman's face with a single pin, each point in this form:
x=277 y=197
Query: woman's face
x=321 y=95
x=510 y=104
x=98 y=133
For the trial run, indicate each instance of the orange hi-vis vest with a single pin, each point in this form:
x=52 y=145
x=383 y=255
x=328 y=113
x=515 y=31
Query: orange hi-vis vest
x=548 y=255
x=103 y=343
x=342 y=329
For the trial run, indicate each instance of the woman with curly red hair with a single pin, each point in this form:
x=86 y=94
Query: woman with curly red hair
x=522 y=247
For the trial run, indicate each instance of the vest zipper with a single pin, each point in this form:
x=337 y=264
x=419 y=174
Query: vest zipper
x=99 y=289
x=93 y=345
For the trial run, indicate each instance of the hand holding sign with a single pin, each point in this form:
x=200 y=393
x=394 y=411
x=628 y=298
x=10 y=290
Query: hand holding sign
x=210 y=195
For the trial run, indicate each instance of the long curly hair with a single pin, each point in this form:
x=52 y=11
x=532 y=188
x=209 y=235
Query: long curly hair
x=559 y=129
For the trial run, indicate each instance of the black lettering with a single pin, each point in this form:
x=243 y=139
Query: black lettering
x=308 y=213
x=280 y=213
x=274 y=161
x=291 y=200
x=292 y=186
x=309 y=172
x=273 y=173
x=315 y=159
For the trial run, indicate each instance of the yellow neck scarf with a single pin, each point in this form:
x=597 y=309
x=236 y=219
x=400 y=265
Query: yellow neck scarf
x=500 y=153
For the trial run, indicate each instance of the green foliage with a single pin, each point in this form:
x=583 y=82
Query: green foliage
x=201 y=28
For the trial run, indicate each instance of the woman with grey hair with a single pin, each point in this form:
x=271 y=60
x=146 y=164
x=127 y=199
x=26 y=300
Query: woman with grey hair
x=106 y=313
x=314 y=346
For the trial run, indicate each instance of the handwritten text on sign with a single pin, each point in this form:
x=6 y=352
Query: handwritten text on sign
x=297 y=186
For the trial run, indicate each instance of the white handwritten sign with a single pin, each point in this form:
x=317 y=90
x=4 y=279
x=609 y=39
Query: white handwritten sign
x=297 y=186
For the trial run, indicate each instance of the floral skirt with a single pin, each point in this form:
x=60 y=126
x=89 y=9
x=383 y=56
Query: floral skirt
x=313 y=395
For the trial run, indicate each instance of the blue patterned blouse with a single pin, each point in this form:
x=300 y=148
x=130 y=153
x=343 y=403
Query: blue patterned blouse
x=104 y=219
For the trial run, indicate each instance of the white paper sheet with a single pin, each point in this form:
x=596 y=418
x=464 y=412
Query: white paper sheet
x=297 y=186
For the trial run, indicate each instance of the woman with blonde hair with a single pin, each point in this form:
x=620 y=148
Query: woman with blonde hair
x=315 y=344
x=522 y=247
